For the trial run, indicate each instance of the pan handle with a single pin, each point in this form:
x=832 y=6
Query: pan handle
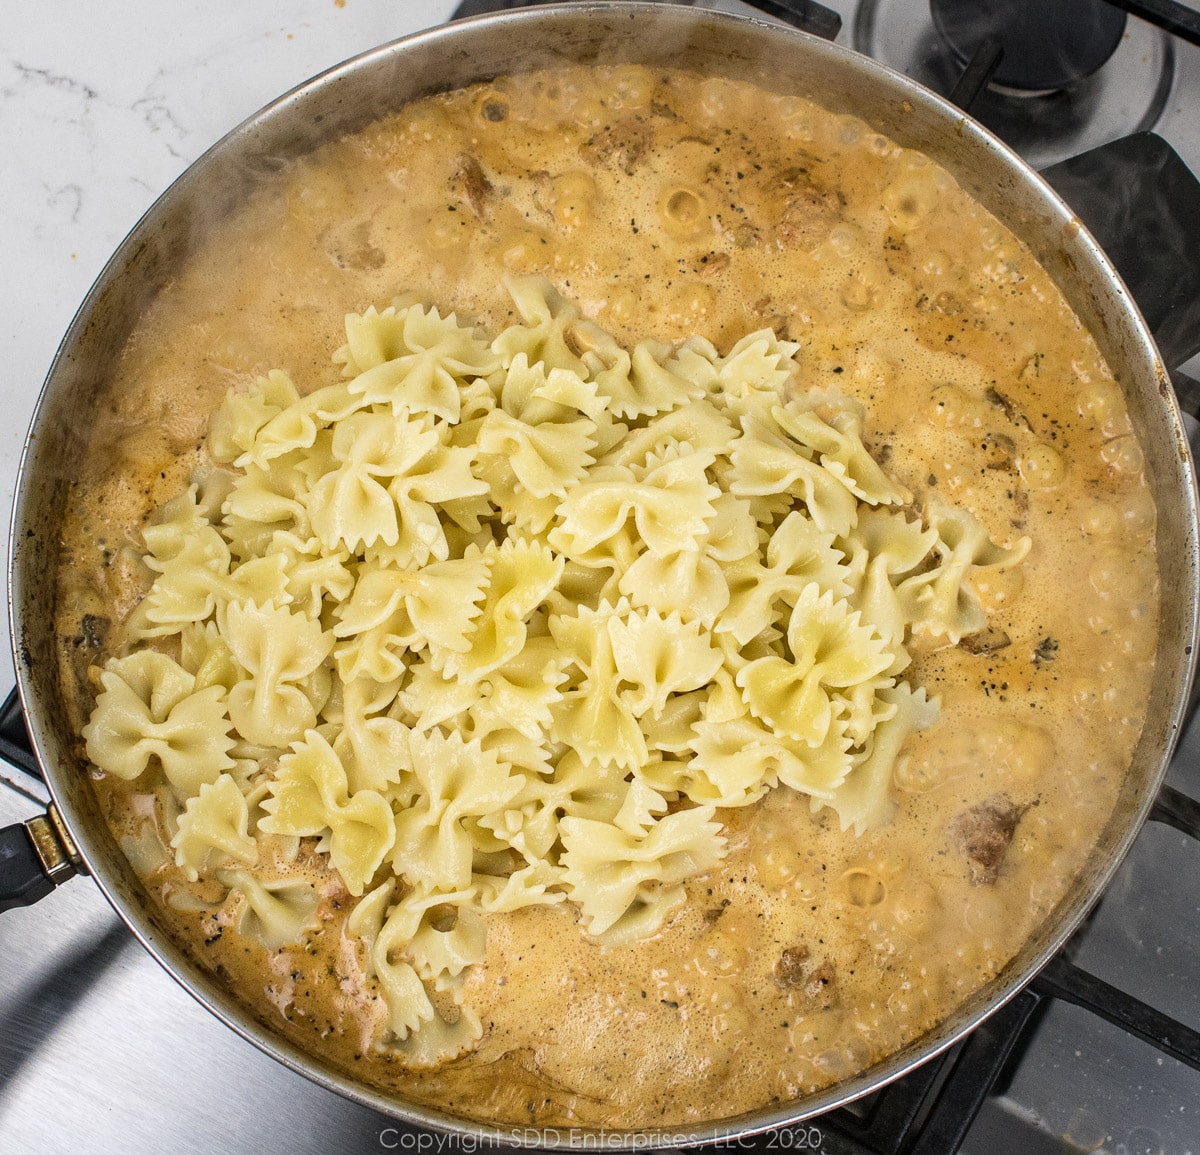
x=35 y=856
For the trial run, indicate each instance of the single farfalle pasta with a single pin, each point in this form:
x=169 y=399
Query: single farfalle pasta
x=831 y=651
x=235 y=427
x=506 y=624
x=274 y=911
x=627 y=875
x=414 y=360
x=831 y=426
x=277 y=649
x=214 y=821
x=936 y=601
x=150 y=707
x=311 y=796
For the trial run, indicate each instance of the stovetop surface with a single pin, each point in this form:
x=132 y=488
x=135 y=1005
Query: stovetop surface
x=100 y=1051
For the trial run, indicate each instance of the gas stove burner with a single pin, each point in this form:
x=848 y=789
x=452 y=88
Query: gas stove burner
x=1044 y=108
x=1047 y=46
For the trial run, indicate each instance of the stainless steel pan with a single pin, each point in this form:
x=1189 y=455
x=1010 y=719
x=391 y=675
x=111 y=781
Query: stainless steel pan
x=353 y=94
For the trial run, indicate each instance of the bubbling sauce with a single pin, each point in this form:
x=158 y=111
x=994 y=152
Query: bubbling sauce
x=669 y=205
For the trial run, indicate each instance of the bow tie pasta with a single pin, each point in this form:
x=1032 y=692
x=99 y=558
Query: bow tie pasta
x=510 y=623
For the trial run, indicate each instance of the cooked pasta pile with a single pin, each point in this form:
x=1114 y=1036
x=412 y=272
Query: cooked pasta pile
x=508 y=623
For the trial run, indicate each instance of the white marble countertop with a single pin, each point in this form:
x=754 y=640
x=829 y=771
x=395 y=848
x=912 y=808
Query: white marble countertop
x=102 y=106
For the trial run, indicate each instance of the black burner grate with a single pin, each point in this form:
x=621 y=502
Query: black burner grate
x=15 y=747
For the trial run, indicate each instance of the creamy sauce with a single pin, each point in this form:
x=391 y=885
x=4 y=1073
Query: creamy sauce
x=669 y=205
